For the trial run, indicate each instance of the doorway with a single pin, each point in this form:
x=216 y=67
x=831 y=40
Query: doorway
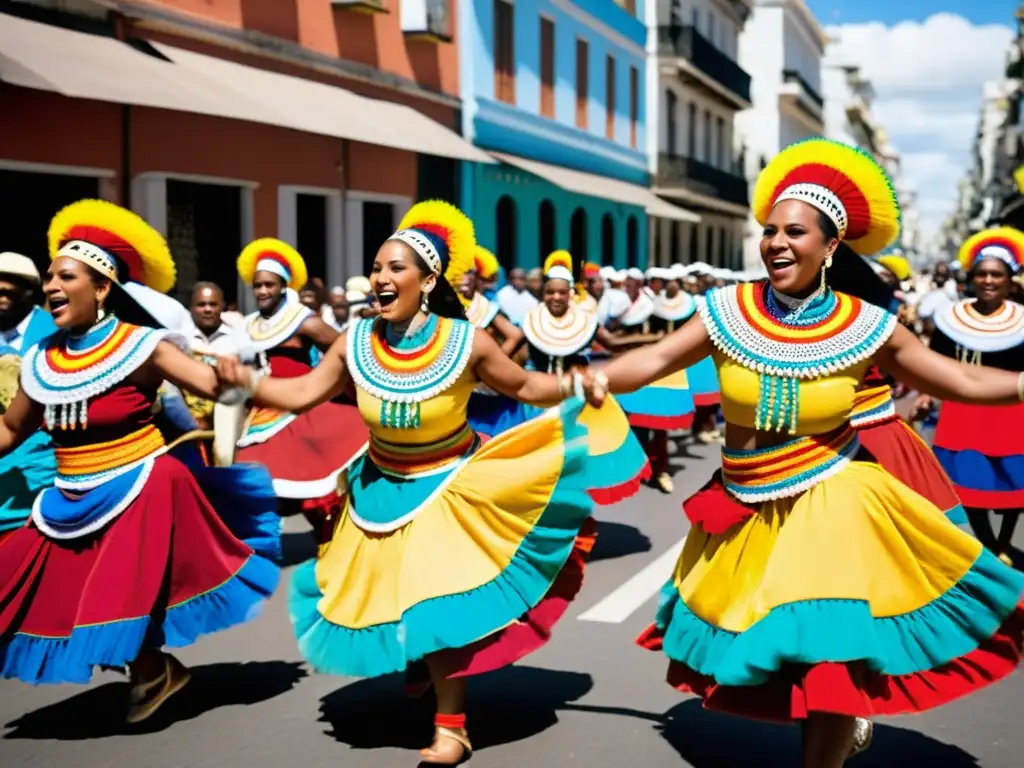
x=204 y=232
x=378 y=225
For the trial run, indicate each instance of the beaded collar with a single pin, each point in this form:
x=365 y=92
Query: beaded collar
x=268 y=332
x=639 y=311
x=415 y=370
x=559 y=336
x=674 y=309
x=64 y=371
x=833 y=332
x=963 y=324
x=481 y=311
x=587 y=304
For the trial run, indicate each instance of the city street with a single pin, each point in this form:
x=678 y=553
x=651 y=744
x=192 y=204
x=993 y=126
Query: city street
x=590 y=697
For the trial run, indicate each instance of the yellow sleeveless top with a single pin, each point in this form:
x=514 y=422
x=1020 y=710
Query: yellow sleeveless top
x=413 y=399
x=796 y=376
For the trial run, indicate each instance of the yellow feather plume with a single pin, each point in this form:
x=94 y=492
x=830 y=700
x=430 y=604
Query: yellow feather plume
x=1008 y=237
x=447 y=221
x=558 y=258
x=803 y=161
x=250 y=255
x=486 y=263
x=158 y=270
x=898 y=265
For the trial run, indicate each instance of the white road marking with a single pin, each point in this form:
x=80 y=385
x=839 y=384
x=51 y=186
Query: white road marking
x=620 y=604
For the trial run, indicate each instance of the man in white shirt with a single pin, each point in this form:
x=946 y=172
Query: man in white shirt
x=210 y=335
x=514 y=300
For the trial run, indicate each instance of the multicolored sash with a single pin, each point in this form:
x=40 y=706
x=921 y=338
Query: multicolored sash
x=418 y=459
x=783 y=471
x=872 y=407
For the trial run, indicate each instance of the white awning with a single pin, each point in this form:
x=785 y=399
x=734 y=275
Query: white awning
x=314 y=107
x=600 y=186
x=85 y=66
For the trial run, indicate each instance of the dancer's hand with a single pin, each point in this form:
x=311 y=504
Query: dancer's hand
x=232 y=373
x=595 y=387
x=922 y=407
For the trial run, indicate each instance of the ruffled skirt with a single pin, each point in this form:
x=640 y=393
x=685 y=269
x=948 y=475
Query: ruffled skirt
x=703 y=380
x=191 y=554
x=857 y=597
x=981 y=448
x=477 y=562
x=905 y=456
x=665 y=404
x=24 y=472
x=304 y=453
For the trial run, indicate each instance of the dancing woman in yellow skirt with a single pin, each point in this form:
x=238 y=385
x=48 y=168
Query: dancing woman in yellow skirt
x=837 y=592
x=446 y=551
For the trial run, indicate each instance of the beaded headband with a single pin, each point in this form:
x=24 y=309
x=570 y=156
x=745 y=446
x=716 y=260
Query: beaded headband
x=1000 y=252
x=274 y=267
x=92 y=256
x=423 y=247
x=822 y=198
x=558 y=272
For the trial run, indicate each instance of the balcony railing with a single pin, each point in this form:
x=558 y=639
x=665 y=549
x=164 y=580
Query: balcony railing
x=685 y=42
x=702 y=179
x=792 y=76
x=430 y=19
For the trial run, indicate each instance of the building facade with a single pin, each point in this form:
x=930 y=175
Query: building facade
x=695 y=89
x=315 y=121
x=783 y=45
x=555 y=89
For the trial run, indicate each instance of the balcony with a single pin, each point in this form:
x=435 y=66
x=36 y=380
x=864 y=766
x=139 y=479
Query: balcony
x=429 y=20
x=361 y=6
x=675 y=171
x=802 y=99
x=706 y=66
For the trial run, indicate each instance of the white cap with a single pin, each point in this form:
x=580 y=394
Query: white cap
x=16 y=265
x=358 y=283
x=677 y=271
x=608 y=272
x=634 y=273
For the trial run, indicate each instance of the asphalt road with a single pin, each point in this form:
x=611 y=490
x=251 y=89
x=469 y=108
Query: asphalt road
x=589 y=698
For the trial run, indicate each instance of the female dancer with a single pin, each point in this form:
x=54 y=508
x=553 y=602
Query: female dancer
x=126 y=554
x=837 y=592
x=304 y=452
x=980 y=445
x=560 y=336
x=447 y=551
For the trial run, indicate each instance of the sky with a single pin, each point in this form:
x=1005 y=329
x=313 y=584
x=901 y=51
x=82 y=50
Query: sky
x=928 y=61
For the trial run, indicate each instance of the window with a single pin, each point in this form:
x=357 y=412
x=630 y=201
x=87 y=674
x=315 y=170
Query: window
x=582 y=83
x=691 y=130
x=546 y=230
x=578 y=236
x=504 y=53
x=707 y=138
x=720 y=138
x=547 y=67
x=634 y=104
x=506 y=228
x=609 y=97
x=607 y=240
x=633 y=242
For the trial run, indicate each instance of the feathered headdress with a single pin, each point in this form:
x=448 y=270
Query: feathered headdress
x=485 y=263
x=558 y=266
x=268 y=254
x=1003 y=243
x=442 y=236
x=896 y=264
x=590 y=270
x=843 y=182
x=102 y=234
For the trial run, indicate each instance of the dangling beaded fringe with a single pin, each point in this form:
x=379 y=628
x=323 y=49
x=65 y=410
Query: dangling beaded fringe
x=778 y=404
x=399 y=415
x=968 y=356
x=66 y=415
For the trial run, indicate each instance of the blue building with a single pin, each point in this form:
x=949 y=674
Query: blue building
x=555 y=89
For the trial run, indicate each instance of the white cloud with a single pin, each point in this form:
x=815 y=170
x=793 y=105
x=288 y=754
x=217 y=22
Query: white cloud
x=928 y=77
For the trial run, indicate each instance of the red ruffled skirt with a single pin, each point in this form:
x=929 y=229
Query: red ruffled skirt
x=168 y=569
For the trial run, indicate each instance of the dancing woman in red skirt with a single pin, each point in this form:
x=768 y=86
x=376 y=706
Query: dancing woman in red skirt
x=304 y=452
x=132 y=550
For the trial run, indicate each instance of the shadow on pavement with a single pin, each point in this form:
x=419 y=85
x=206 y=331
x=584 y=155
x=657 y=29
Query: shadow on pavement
x=99 y=712
x=712 y=740
x=297 y=547
x=508 y=705
x=618 y=540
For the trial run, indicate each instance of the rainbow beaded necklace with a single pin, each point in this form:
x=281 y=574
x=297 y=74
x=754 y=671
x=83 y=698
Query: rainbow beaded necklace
x=832 y=332
x=404 y=373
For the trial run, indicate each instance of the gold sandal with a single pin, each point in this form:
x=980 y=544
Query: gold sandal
x=433 y=756
x=863 y=733
x=143 y=703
